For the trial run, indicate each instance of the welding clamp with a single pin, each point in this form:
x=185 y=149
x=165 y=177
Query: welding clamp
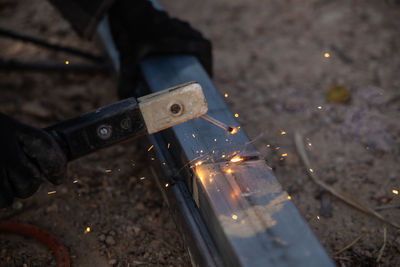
x=128 y=119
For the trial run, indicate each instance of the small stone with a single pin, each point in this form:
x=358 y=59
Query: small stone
x=112 y=262
x=36 y=109
x=156 y=244
x=17 y=205
x=112 y=233
x=110 y=240
x=102 y=238
x=52 y=208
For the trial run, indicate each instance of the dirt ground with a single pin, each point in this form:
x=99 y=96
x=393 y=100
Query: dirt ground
x=277 y=60
x=270 y=59
x=111 y=192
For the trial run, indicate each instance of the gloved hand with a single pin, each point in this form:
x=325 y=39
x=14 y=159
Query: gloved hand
x=28 y=155
x=139 y=30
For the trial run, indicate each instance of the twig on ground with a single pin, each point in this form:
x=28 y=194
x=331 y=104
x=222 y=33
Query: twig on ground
x=387 y=207
x=383 y=246
x=351 y=243
x=339 y=194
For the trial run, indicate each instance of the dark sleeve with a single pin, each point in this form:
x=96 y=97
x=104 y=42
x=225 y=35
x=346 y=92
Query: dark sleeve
x=83 y=15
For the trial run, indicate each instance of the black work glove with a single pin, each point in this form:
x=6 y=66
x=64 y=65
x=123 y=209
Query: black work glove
x=139 y=30
x=28 y=156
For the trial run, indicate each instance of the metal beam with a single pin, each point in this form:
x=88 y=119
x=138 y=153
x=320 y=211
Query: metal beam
x=249 y=217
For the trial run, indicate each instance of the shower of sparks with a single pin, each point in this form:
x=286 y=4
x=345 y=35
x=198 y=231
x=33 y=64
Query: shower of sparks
x=51 y=192
x=236 y=159
x=167 y=184
x=319 y=107
x=226 y=95
x=236 y=115
x=198 y=163
x=283 y=132
x=66 y=62
x=87 y=230
x=150 y=148
x=327 y=55
x=194 y=136
x=234 y=216
x=394 y=191
x=108 y=170
x=229 y=171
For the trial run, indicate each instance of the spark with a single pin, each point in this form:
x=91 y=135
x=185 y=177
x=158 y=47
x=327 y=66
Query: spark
x=168 y=145
x=327 y=55
x=215 y=139
x=51 y=192
x=284 y=155
x=194 y=136
x=236 y=115
x=289 y=197
x=311 y=170
x=309 y=144
x=87 y=230
x=210 y=180
x=234 y=216
x=318 y=217
x=394 y=191
x=152 y=158
x=66 y=62
x=319 y=107
x=223 y=156
x=226 y=95
x=198 y=163
x=142 y=178
x=283 y=132
x=268 y=145
x=233 y=131
x=167 y=184
x=229 y=171
x=75 y=181
x=201 y=151
x=150 y=148
x=108 y=170
x=236 y=159
x=277 y=148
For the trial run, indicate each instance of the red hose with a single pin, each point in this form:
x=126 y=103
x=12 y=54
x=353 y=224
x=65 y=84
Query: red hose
x=46 y=238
